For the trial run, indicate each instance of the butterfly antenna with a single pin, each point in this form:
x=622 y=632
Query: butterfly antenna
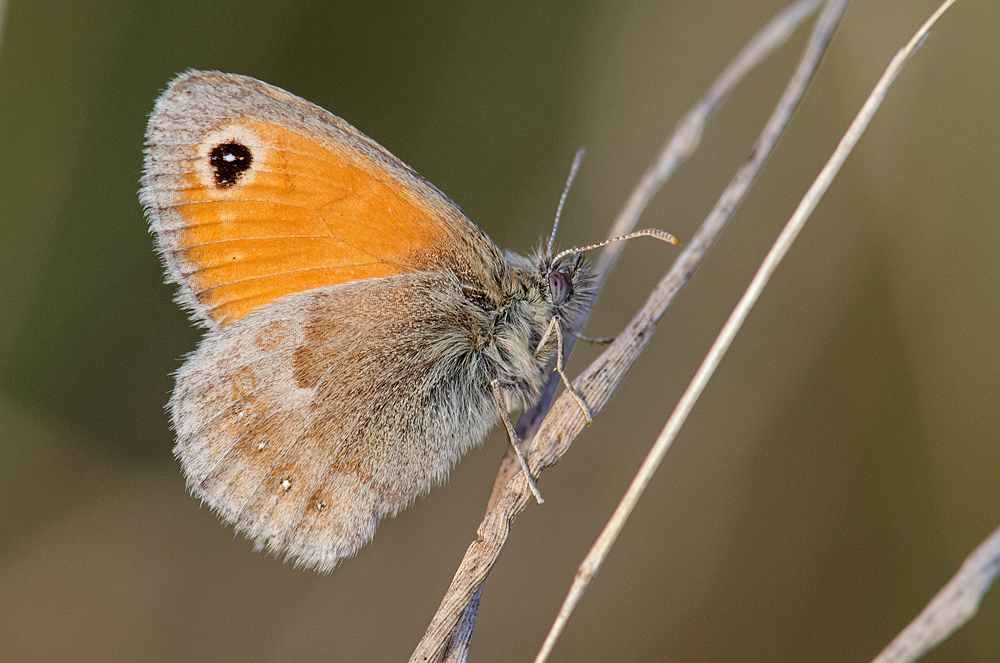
x=648 y=232
x=562 y=200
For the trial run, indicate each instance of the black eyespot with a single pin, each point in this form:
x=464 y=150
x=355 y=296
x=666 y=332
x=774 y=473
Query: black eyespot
x=229 y=161
x=560 y=287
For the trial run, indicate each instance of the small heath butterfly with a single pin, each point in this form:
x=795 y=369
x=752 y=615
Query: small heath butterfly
x=362 y=333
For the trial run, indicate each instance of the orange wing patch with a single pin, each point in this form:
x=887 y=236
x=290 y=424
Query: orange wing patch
x=261 y=211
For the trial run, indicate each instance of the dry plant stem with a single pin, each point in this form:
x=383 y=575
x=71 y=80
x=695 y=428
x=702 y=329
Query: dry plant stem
x=458 y=644
x=687 y=135
x=954 y=605
x=598 y=553
x=680 y=146
x=600 y=380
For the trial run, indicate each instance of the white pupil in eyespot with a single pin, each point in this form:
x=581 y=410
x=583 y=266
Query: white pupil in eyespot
x=558 y=287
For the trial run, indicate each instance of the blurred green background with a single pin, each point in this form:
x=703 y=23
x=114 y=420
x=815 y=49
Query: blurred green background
x=842 y=464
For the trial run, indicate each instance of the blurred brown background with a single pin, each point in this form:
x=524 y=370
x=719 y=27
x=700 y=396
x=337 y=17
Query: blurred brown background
x=841 y=465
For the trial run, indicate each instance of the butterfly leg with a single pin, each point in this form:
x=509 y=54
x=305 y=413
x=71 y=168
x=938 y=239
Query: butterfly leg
x=514 y=441
x=555 y=329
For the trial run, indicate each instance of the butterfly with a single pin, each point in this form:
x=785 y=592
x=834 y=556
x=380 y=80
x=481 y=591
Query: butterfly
x=361 y=332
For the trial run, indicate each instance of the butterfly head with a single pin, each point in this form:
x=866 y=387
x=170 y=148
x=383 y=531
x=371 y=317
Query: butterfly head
x=546 y=287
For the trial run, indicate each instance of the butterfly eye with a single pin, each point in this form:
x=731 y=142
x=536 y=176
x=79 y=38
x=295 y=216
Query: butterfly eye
x=560 y=287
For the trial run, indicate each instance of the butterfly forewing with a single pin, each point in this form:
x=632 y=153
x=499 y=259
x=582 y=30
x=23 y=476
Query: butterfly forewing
x=256 y=194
